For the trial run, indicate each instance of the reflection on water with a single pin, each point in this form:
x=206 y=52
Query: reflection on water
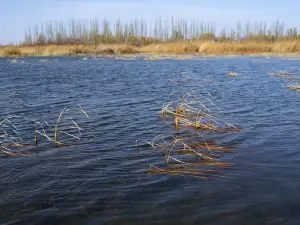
x=106 y=180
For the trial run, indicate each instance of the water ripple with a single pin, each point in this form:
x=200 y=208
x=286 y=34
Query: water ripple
x=104 y=179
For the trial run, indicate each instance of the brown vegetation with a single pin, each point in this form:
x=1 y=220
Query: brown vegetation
x=170 y=36
x=192 y=156
x=67 y=50
x=66 y=128
x=294 y=86
x=233 y=74
x=197 y=111
x=281 y=74
x=180 y=47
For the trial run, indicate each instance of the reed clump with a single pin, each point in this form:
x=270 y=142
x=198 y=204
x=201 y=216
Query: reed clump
x=291 y=77
x=294 y=86
x=190 y=156
x=233 y=74
x=281 y=74
x=196 y=111
x=66 y=132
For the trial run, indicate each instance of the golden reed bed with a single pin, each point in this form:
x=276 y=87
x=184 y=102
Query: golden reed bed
x=180 y=47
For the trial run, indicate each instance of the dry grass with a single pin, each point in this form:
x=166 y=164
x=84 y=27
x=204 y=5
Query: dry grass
x=294 y=86
x=180 y=47
x=192 y=156
x=281 y=74
x=189 y=157
x=66 y=128
x=196 y=111
x=213 y=48
x=67 y=50
x=233 y=74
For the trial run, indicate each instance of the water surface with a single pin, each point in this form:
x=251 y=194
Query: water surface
x=104 y=181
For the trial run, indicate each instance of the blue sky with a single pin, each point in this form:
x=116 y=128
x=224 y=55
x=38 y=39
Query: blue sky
x=17 y=15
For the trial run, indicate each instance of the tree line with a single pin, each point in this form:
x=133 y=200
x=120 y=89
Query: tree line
x=141 y=32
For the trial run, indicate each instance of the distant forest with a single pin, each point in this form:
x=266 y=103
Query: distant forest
x=140 y=32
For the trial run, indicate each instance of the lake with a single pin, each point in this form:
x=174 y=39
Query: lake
x=104 y=178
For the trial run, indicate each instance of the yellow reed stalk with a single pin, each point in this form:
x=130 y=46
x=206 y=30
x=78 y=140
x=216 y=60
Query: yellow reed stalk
x=56 y=126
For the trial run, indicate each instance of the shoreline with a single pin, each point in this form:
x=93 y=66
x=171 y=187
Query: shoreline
x=288 y=55
x=280 y=48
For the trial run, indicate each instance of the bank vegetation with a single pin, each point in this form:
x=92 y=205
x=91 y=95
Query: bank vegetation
x=161 y=36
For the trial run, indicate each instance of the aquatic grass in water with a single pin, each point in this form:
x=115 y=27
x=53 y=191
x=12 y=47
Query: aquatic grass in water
x=189 y=153
x=294 y=86
x=189 y=156
x=199 y=112
x=66 y=128
x=281 y=74
x=233 y=74
x=16 y=61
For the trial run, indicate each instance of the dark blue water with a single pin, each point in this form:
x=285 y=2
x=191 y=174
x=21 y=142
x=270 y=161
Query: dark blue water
x=103 y=180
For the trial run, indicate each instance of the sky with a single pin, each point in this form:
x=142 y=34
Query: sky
x=17 y=15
